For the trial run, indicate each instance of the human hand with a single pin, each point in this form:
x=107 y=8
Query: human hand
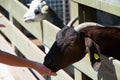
x=43 y=70
x=1 y=25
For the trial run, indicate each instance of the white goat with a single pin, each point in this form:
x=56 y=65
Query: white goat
x=39 y=11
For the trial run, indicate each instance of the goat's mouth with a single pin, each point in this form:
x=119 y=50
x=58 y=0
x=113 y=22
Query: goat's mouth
x=54 y=68
x=29 y=20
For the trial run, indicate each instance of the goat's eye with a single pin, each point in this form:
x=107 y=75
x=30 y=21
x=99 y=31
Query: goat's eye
x=37 y=11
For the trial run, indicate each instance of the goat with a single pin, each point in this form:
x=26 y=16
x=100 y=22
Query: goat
x=71 y=44
x=36 y=13
x=39 y=11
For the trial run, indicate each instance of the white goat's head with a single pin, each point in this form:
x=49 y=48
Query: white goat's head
x=38 y=11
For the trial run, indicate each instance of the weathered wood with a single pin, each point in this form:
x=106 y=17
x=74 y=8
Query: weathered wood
x=62 y=76
x=21 y=41
x=29 y=49
x=78 y=74
x=4 y=73
x=85 y=67
x=74 y=11
x=110 y=6
x=91 y=3
x=49 y=31
x=12 y=72
x=17 y=10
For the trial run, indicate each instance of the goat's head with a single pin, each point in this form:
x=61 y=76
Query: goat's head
x=38 y=11
x=68 y=48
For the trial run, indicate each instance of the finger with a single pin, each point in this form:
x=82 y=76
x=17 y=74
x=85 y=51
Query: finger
x=52 y=73
x=1 y=25
x=47 y=71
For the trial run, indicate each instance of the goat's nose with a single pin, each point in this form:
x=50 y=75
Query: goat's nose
x=24 y=19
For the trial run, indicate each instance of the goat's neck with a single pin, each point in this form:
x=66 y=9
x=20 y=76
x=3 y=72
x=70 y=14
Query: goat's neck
x=108 y=35
x=53 y=18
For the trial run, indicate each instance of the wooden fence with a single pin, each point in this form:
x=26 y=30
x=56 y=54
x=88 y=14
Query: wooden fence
x=46 y=32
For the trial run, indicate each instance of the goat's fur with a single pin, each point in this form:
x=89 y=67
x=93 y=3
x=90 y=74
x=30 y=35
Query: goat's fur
x=70 y=45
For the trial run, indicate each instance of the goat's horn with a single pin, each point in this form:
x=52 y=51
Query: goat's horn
x=86 y=25
x=72 y=21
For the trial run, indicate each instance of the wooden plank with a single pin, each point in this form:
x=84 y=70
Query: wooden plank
x=74 y=11
x=62 y=76
x=4 y=73
x=17 y=10
x=110 y=6
x=78 y=74
x=49 y=31
x=117 y=68
x=85 y=67
x=21 y=41
x=12 y=72
x=91 y=3
x=26 y=46
x=20 y=73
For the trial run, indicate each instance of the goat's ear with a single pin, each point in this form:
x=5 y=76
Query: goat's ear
x=94 y=55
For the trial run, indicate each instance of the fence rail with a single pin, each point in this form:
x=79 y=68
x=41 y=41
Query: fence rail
x=110 y=6
x=46 y=33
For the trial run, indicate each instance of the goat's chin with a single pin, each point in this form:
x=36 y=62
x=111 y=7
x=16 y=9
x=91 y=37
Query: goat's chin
x=29 y=21
x=54 y=68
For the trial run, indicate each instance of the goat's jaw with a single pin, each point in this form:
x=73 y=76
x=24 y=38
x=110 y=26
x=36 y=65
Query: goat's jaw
x=29 y=20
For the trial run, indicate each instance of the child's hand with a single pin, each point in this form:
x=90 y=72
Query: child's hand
x=43 y=70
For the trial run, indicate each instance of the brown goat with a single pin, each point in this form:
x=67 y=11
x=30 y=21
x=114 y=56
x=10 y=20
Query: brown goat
x=71 y=42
